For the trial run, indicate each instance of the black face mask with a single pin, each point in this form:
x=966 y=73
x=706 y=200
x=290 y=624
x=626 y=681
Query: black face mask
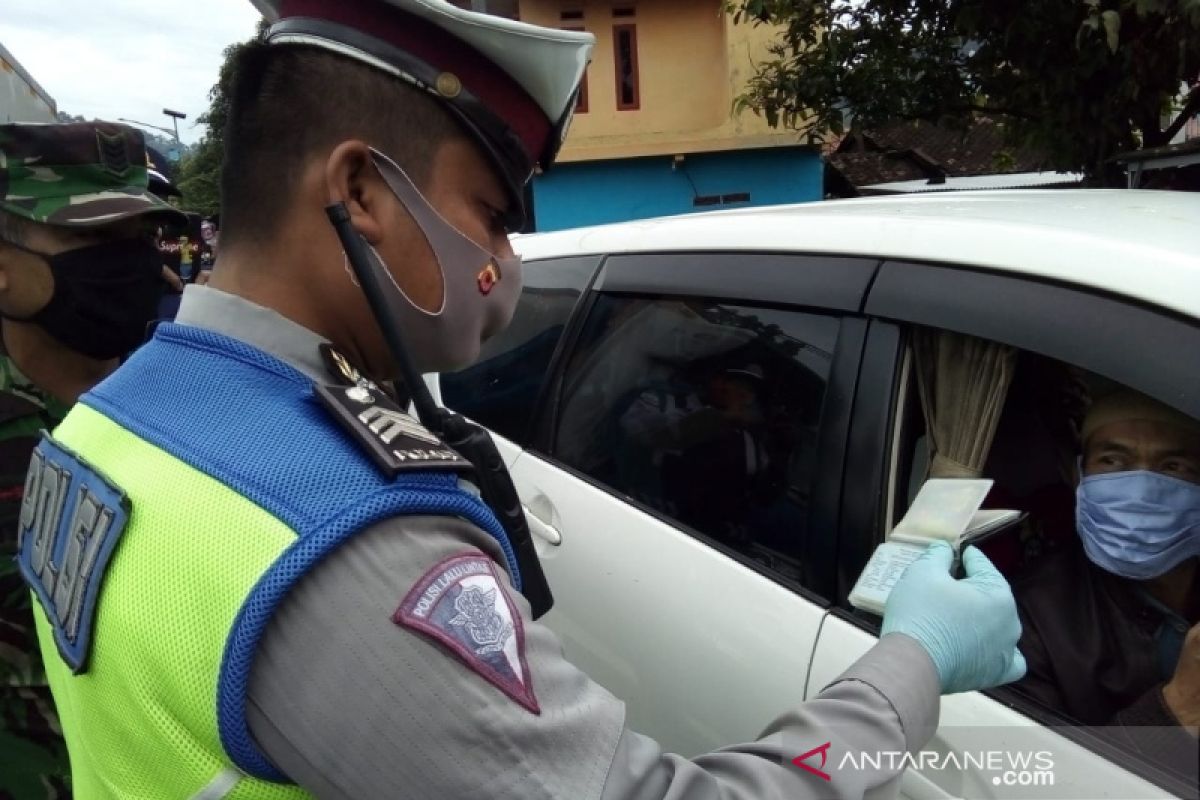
x=104 y=296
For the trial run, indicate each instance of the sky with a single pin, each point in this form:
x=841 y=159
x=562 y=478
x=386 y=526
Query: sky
x=108 y=59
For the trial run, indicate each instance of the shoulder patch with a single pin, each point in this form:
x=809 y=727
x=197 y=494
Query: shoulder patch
x=460 y=604
x=72 y=518
x=393 y=439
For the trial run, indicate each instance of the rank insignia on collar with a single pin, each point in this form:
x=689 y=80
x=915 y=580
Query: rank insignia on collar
x=393 y=439
x=340 y=368
x=345 y=372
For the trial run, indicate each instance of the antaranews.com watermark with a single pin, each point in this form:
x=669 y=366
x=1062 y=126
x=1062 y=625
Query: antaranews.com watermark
x=1016 y=763
x=1005 y=767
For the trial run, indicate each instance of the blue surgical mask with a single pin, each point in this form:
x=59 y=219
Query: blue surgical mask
x=1138 y=525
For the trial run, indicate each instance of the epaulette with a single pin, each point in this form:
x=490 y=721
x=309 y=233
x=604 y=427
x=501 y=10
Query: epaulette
x=394 y=439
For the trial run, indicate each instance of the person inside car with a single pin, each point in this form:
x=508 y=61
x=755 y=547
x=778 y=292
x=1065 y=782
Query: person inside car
x=1110 y=627
x=708 y=444
x=717 y=474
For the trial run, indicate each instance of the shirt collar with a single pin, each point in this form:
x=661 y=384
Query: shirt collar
x=257 y=326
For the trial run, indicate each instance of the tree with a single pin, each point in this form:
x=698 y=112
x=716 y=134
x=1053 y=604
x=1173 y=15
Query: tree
x=200 y=175
x=1079 y=80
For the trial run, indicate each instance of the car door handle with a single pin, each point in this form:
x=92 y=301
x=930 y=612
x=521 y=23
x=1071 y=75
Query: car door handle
x=540 y=528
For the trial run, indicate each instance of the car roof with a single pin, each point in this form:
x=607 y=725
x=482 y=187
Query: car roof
x=1141 y=244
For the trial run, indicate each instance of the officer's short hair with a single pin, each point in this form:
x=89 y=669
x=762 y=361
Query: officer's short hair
x=291 y=102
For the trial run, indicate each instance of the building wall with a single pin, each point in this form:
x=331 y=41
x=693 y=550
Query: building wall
x=596 y=192
x=692 y=62
x=21 y=98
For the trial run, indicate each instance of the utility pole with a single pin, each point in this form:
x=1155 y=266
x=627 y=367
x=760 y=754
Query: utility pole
x=175 y=117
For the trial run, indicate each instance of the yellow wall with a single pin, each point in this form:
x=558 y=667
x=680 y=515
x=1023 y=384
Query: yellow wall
x=692 y=62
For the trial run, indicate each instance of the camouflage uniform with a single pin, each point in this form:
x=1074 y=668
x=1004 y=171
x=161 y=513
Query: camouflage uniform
x=79 y=176
x=33 y=756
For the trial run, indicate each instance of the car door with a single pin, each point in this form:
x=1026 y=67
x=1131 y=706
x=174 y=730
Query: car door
x=1123 y=341
x=696 y=611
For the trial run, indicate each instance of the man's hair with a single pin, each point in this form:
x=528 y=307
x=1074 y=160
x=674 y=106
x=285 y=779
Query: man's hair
x=13 y=228
x=291 y=103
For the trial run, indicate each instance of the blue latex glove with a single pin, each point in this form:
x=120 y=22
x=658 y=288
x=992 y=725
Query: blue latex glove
x=969 y=627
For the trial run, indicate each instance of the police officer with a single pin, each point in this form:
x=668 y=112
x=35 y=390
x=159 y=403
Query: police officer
x=304 y=596
x=78 y=282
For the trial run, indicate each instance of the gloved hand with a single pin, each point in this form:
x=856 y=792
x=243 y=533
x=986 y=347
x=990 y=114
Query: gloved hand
x=969 y=627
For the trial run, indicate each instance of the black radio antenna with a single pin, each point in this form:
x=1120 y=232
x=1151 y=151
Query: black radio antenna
x=471 y=441
x=355 y=248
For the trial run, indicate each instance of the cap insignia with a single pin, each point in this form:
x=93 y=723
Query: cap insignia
x=114 y=153
x=448 y=85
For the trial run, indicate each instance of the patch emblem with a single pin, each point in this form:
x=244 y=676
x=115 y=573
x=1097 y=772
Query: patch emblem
x=461 y=605
x=395 y=441
x=72 y=518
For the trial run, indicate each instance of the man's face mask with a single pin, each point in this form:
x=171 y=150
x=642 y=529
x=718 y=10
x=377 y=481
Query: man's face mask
x=104 y=295
x=1138 y=525
x=479 y=294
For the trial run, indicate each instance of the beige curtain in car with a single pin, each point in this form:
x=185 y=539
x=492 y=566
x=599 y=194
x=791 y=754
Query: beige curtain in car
x=963 y=382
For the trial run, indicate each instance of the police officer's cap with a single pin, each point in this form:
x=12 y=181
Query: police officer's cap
x=511 y=84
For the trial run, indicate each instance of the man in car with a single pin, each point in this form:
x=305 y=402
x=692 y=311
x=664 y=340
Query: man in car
x=707 y=444
x=718 y=469
x=1110 y=626
x=78 y=283
x=308 y=597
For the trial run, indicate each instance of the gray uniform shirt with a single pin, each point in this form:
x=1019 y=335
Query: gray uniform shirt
x=350 y=704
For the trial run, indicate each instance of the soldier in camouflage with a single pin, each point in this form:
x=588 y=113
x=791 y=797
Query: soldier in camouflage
x=79 y=280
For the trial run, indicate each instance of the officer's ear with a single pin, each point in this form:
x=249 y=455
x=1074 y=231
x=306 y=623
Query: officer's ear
x=351 y=178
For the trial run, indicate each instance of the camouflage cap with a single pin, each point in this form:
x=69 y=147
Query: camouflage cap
x=79 y=174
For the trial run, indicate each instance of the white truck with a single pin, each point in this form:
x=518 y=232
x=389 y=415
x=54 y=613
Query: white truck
x=21 y=98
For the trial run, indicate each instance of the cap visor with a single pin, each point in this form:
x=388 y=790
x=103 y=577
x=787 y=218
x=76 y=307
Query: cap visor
x=107 y=208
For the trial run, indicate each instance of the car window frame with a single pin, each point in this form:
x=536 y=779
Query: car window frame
x=834 y=283
x=867 y=460
x=565 y=343
x=816 y=563
x=984 y=303
x=833 y=286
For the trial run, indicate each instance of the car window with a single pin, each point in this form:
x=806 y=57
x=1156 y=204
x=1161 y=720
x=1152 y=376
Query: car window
x=706 y=412
x=1030 y=450
x=1100 y=643
x=501 y=389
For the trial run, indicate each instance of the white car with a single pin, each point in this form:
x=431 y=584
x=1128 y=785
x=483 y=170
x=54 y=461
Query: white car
x=712 y=420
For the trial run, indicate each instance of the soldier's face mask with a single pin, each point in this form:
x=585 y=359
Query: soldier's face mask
x=480 y=288
x=104 y=295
